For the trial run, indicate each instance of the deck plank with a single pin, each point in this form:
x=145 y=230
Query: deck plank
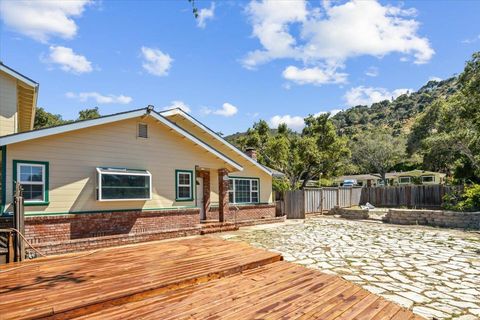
x=197 y=278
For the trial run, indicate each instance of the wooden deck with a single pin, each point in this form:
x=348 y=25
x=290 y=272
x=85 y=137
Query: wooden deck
x=197 y=278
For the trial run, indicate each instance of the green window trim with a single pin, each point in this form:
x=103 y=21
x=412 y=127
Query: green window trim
x=245 y=178
x=192 y=190
x=46 y=199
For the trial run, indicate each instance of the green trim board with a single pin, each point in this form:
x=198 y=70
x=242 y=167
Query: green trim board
x=192 y=189
x=47 y=181
x=3 y=199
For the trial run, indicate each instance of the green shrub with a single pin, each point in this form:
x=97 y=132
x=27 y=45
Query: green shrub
x=468 y=200
x=280 y=184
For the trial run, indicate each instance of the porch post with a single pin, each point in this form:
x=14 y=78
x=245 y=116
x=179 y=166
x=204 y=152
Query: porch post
x=205 y=174
x=223 y=205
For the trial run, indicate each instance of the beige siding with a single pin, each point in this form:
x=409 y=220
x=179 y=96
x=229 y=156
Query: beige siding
x=74 y=156
x=8 y=105
x=249 y=169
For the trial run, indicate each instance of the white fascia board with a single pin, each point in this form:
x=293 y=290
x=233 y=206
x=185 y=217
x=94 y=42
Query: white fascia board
x=19 y=137
x=18 y=76
x=194 y=139
x=172 y=112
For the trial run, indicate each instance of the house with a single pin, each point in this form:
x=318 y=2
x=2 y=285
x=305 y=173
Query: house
x=396 y=178
x=128 y=177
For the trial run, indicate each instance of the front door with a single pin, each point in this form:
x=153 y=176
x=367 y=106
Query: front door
x=199 y=198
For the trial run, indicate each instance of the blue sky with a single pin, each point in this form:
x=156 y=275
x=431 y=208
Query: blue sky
x=241 y=61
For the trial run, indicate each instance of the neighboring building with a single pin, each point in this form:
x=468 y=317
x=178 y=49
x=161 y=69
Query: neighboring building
x=396 y=178
x=129 y=177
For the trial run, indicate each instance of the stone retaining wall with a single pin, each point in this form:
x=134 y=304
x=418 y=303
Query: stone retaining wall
x=436 y=218
x=350 y=213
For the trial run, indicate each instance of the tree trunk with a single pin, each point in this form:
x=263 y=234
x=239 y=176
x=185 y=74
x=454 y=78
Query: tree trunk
x=305 y=181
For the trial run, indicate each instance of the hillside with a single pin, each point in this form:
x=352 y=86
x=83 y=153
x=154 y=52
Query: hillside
x=398 y=115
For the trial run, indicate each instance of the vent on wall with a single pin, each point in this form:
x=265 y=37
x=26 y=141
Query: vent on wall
x=142 y=130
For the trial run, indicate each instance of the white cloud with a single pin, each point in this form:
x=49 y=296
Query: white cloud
x=270 y=20
x=293 y=122
x=253 y=114
x=471 y=40
x=433 y=78
x=68 y=60
x=296 y=122
x=367 y=95
x=316 y=75
x=372 y=72
x=178 y=104
x=99 y=98
x=332 y=33
x=156 y=62
x=42 y=19
x=335 y=111
x=204 y=15
x=227 y=110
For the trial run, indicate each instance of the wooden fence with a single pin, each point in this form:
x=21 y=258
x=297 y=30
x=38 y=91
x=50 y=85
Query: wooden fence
x=295 y=204
x=411 y=196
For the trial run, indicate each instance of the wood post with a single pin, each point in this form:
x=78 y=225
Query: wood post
x=338 y=196
x=10 y=248
x=19 y=223
x=223 y=205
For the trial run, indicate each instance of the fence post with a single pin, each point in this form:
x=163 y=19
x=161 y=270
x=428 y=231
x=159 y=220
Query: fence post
x=18 y=222
x=321 y=200
x=338 y=197
x=351 y=194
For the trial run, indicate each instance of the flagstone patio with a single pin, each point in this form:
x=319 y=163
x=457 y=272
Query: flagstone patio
x=434 y=272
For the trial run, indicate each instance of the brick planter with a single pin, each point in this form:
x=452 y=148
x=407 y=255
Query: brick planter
x=247 y=212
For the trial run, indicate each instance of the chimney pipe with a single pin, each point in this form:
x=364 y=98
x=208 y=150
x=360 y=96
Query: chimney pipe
x=252 y=153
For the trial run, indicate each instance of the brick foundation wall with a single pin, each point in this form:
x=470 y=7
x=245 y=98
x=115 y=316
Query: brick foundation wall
x=248 y=212
x=75 y=232
x=436 y=218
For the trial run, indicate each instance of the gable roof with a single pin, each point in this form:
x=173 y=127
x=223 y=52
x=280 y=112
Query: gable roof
x=27 y=94
x=17 y=75
x=178 y=111
x=39 y=133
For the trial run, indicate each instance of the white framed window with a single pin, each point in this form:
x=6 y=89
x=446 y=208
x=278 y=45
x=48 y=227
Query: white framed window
x=33 y=177
x=184 y=185
x=243 y=190
x=117 y=184
x=428 y=179
x=404 y=180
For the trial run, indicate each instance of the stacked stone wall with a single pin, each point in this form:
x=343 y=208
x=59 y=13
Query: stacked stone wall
x=436 y=218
